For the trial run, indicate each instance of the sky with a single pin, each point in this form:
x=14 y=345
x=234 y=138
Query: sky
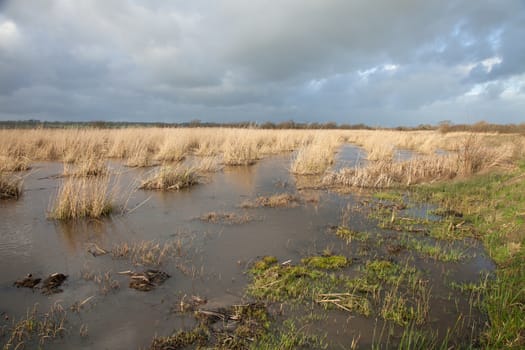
x=378 y=62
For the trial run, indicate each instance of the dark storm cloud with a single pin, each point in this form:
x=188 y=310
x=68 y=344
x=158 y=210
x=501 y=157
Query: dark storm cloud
x=380 y=62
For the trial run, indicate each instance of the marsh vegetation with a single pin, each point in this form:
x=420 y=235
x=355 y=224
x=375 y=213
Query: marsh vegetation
x=392 y=252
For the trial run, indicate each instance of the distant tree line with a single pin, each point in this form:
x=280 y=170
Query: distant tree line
x=444 y=126
x=482 y=126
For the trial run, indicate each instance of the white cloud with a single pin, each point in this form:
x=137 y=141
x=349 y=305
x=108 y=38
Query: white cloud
x=9 y=34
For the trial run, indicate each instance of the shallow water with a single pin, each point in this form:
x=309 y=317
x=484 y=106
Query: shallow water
x=213 y=259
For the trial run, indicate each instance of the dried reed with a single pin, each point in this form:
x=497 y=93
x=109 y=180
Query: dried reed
x=78 y=198
x=168 y=178
x=10 y=186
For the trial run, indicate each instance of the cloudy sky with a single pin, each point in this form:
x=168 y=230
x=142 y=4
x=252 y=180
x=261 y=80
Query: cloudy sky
x=385 y=62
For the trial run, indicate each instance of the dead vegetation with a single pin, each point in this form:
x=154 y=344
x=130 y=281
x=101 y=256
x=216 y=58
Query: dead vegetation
x=283 y=200
x=208 y=164
x=147 y=280
x=225 y=218
x=36 y=329
x=105 y=281
x=10 y=186
x=168 y=178
x=14 y=163
x=147 y=253
x=142 y=146
x=86 y=167
x=469 y=157
x=316 y=155
x=81 y=197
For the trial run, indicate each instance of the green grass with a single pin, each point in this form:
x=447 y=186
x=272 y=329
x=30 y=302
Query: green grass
x=329 y=262
x=351 y=235
x=289 y=337
x=391 y=196
x=494 y=204
x=434 y=250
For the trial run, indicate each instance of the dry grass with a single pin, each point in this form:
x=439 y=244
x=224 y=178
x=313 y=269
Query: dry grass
x=469 y=156
x=10 y=163
x=168 y=178
x=147 y=253
x=239 y=152
x=37 y=328
x=208 y=164
x=312 y=160
x=85 y=167
x=140 y=146
x=79 y=198
x=226 y=218
x=316 y=155
x=139 y=156
x=105 y=282
x=10 y=186
x=282 y=200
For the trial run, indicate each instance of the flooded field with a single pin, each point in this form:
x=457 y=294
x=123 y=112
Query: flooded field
x=210 y=240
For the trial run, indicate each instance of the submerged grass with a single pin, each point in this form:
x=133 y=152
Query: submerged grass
x=434 y=250
x=350 y=235
x=147 y=253
x=282 y=200
x=494 y=204
x=36 y=329
x=226 y=218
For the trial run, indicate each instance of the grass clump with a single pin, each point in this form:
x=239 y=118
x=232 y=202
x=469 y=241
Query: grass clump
x=225 y=218
x=239 y=152
x=10 y=186
x=351 y=235
x=351 y=302
x=312 y=159
x=10 y=164
x=79 y=198
x=208 y=164
x=329 y=262
x=198 y=336
x=238 y=327
x=86 y=166
x=282 y=200
x=433 y=250
x=278 y=282
x=147 y=253
x=397 y=291
x=168 y=178
x=36 y=329
x=289 y=337
x=263 y=264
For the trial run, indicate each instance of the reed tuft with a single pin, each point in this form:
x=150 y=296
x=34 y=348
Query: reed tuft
x=167 y=178
x=80 y=198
